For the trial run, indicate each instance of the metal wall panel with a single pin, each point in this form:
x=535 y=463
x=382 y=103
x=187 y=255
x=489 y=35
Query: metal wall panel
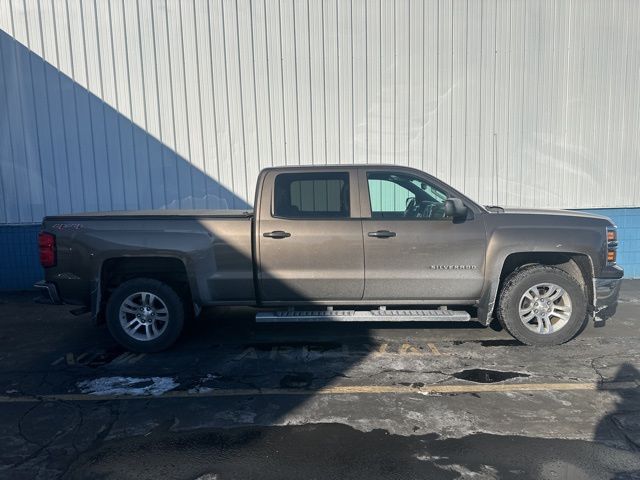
x=131 y=104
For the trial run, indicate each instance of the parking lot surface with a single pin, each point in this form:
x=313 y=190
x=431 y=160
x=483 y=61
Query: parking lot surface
x=234 y=399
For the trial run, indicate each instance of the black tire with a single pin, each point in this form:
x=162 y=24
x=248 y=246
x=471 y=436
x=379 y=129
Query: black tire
x=174 y=306
x=515 y=287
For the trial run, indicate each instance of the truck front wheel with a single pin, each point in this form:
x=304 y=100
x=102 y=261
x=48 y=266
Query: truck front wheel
x=542 y=305
x=145 y=315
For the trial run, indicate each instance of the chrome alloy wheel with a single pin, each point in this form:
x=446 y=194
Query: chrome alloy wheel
x=545 y=308
x=143 y=316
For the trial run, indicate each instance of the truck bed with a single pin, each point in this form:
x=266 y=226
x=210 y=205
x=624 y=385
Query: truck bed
x=213 y=248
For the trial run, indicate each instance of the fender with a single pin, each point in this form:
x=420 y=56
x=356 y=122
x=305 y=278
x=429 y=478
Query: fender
x=541 y=244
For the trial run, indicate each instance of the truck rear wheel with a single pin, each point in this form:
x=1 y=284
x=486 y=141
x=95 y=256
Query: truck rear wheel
x=145 y=315
x=542 y=305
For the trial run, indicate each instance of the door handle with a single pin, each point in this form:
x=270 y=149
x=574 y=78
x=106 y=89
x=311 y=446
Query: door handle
x=276 y=234
x=382 y=234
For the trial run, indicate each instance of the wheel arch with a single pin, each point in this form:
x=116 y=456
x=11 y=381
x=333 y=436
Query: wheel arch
x=578 y=265
x=115 y=270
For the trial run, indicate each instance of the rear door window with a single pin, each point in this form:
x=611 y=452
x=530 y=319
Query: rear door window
x=311 y=195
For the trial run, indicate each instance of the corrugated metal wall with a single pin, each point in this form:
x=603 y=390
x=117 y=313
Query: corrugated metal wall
x=150 y=104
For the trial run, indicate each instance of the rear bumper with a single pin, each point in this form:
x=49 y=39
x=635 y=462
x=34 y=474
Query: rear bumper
x=606 y=292
x=49 y=291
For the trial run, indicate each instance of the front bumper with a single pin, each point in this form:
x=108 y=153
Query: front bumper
x=49 y=291
x=606 y=291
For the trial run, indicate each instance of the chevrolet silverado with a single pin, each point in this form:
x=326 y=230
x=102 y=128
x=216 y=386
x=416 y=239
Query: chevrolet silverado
x=337 y=243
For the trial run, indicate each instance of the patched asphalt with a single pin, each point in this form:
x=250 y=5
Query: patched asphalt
x=238 y=400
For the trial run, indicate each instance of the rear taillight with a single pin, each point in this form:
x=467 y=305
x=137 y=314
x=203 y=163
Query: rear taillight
x=47 y=248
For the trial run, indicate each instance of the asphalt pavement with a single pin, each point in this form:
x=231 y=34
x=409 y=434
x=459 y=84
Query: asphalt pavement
x=236 y=400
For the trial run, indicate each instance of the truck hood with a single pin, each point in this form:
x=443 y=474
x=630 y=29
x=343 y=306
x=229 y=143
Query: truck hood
x=558 y=213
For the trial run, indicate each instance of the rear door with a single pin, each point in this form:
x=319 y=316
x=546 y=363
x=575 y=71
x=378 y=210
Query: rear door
x=413 y=252
x=310 y=236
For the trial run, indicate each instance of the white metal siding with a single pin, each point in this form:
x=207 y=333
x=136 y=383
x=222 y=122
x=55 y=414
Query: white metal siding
x=166 y=103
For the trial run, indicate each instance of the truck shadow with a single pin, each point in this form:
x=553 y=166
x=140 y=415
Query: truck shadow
x=621 y=428
x=64 y=149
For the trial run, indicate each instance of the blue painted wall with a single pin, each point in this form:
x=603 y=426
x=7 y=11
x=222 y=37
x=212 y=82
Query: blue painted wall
x=20 y=268
x=19 y=263
x=628 y=222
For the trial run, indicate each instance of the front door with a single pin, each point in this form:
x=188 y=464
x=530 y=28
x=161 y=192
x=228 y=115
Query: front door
x=413 y=252
x=311 y=237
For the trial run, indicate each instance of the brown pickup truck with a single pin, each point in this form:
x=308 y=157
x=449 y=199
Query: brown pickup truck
x=337 y=243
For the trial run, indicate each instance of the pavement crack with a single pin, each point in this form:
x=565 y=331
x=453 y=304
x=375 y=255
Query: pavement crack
x=41 y=446
x=20 y=426
x=100 y=437
x=77 y=427
x=596 y=369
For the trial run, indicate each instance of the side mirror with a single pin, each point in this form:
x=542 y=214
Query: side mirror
x=454 y=208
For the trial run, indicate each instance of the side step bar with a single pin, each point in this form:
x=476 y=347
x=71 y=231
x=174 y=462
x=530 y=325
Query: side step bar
x=363 y=316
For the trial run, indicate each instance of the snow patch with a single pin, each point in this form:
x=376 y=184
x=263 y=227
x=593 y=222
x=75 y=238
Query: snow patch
x=486 y=472
x=127 y=385
x=430 y=458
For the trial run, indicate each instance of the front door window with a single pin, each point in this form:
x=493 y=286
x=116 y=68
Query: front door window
x=401 y=196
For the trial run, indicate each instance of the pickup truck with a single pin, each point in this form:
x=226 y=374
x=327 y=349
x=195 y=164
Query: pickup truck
x=337 y=243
